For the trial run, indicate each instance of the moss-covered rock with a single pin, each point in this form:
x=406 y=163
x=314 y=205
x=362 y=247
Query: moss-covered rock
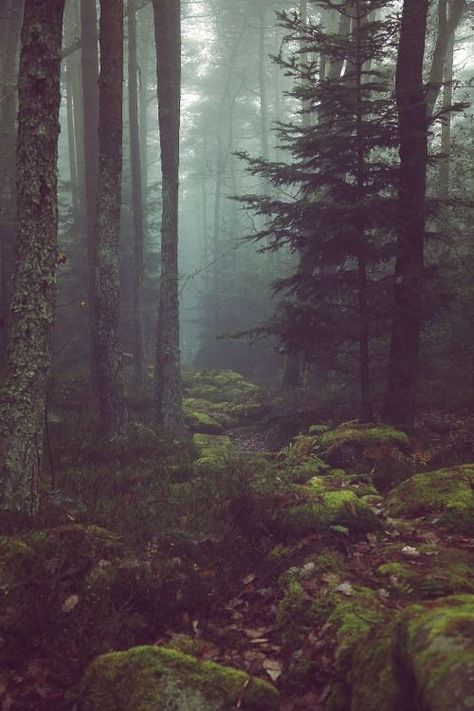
x=450 y=571
x=321 y=509
x=202 y=422
x=434 y=655
x=447 y=492
x=372 y=678
x=153 y=678
x=365 y=447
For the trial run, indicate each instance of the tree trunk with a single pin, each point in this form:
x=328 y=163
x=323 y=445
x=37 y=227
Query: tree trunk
x=9 y=40
x=407 y=320
x=444 y=167
x=108 y=367
x=137 y=201
x=90 y=97
x=450 y=13
x=23 y=402
x=366 y=414
x=168 y=69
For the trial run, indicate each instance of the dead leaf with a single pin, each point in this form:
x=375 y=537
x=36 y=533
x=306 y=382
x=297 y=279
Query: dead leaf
x=273 y=668
x=345 y=589
x=249 y=578
x=70 y=603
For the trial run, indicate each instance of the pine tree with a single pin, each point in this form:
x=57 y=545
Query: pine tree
x=332 y=205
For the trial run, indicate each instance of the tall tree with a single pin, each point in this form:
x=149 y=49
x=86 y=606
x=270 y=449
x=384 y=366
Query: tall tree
x=137 y=199
x=90 y=117
x=106 y=303
x=168 y=68
x=413 y=128
x=9 y=41
x=23 y=401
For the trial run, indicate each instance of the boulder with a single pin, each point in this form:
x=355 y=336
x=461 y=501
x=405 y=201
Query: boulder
x=156 y=678
x=448 y=493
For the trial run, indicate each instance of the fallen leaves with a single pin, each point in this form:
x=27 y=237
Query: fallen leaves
x=273 y=668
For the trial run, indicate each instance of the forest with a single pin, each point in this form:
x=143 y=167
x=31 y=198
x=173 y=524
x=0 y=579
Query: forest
x=236 y=355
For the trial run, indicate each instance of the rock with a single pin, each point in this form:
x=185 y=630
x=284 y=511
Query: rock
x=322 y=509
x=421 y=661
x=447 y=492
x=202 y=422
x=157 y=678
x=364 y=447
x=434 y=655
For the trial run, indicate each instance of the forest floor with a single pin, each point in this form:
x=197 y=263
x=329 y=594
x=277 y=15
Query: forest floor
x=201 y=553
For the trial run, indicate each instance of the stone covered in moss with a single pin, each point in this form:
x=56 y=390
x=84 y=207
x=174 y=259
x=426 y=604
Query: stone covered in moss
x=448 y=492
x=221 y=386
x=372 y=678
x=200 y=420
x=322 y=509
x=434 y=655
x=359 y=446
x=155 y=679
x=449 y=571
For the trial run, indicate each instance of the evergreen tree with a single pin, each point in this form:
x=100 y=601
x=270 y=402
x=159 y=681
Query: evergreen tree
x=333 y=203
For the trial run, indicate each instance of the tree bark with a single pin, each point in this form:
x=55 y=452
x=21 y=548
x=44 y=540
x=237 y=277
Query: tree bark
x=450 y=13
x=90 y=97
x=9 y=41
x=413 y=123
x=108 y=366
x=445 y=163
x=137 y=201
x=23 y=402
x=168 y=67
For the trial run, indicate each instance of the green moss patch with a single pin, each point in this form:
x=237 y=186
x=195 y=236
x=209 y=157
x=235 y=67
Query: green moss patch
x=323 y=509
x=146 y=678
x=434 y=654
x=366 y=448
x=449 y=492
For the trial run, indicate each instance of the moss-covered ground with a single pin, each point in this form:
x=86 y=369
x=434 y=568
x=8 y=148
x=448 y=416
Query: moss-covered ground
x=335 y=573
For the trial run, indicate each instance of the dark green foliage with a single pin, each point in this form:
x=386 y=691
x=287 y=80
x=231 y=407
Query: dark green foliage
x=332 y=204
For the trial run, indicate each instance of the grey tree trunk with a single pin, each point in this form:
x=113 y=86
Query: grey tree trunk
x=106 y=302
x=450 y=13
x=23 y=400
x=105 y=322
x=137 y=201
x=9 y=41
x=90 y=98
x=409 y=269
x=445 y=163
x=168 y=68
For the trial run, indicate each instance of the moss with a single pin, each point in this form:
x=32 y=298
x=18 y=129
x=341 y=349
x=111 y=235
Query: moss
x=450 y=571
x=434 y=655
x=351 y=616
x=146 y=678
x=374 y=687
x=449 y=492
x=14 y=554
x=381 y=450
x=202 y=422
x=358 y=434
x=398 y=569
x=324 y=509
x=330 y=561
x=81 y=542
